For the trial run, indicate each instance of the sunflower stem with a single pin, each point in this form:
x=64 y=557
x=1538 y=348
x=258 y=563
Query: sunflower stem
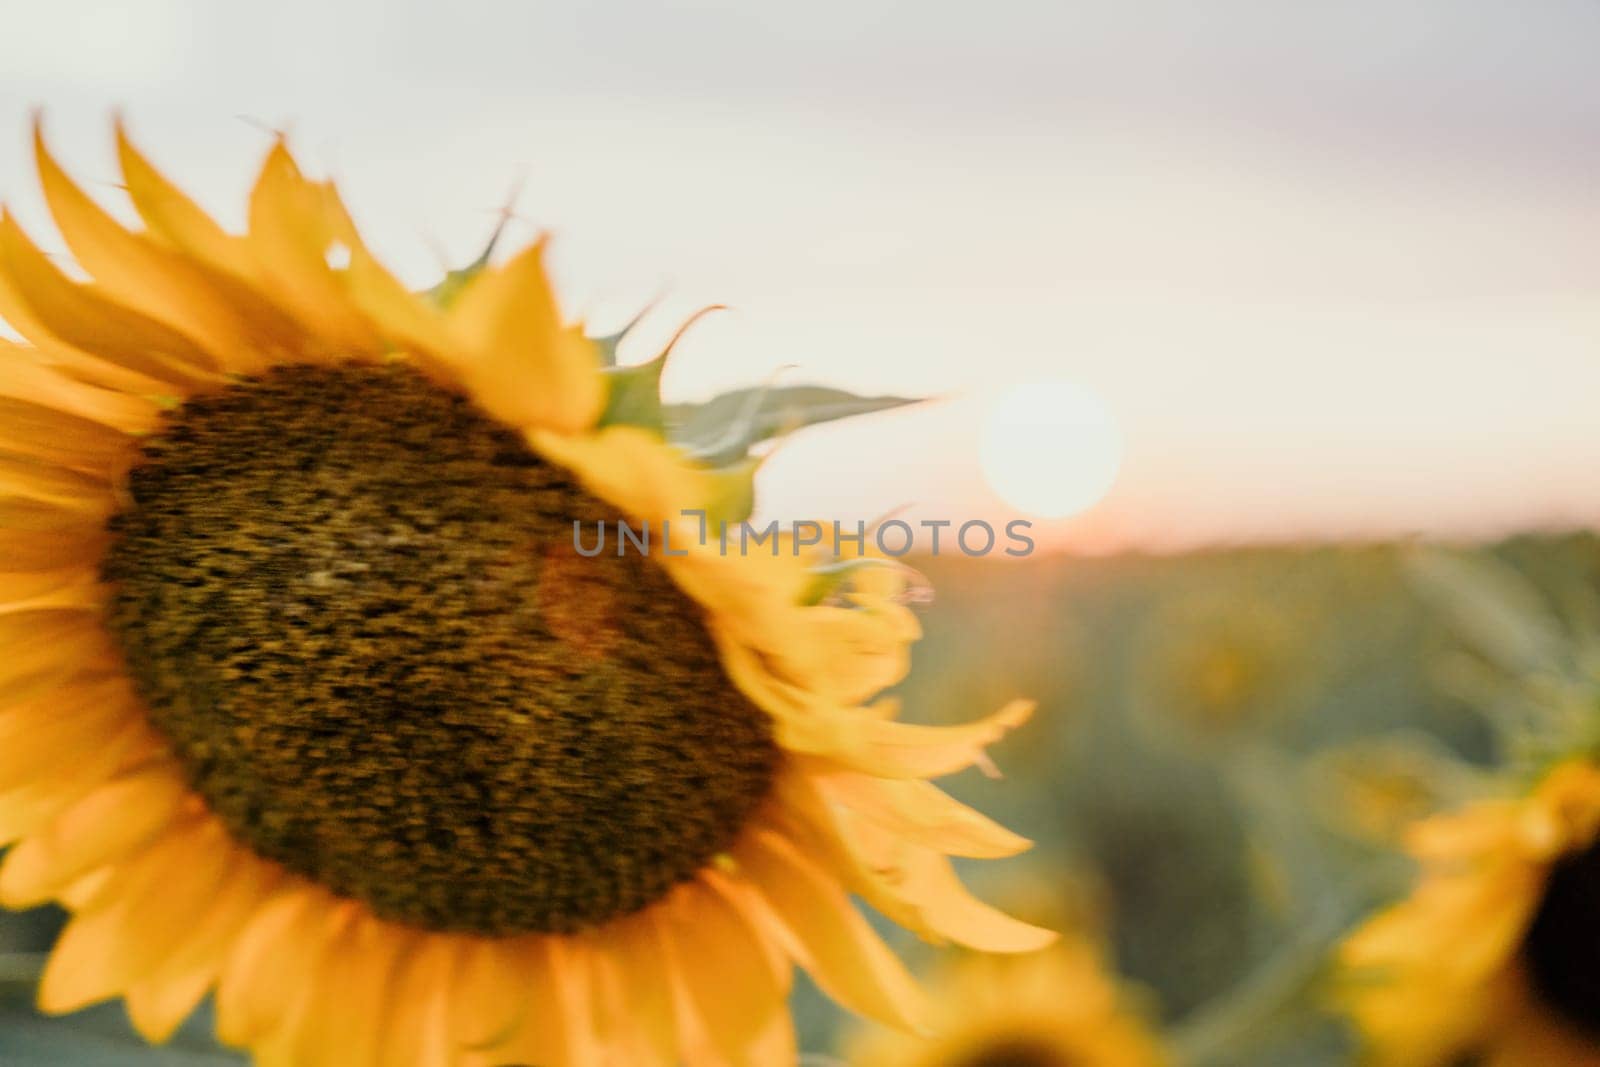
x=1212 y=1035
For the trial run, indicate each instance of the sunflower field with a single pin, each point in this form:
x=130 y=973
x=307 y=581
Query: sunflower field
x=334 y=731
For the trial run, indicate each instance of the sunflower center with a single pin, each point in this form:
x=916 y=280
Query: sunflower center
x=1016 y=1052
x=352 y=604
x=1562 y=949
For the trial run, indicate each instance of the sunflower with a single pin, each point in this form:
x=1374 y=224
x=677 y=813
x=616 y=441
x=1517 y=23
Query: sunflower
x=1217 y=666
x=1052 y=1009
x=309 y=704
x=1494 y=958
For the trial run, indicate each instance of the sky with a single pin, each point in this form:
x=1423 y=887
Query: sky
x=1334 y=269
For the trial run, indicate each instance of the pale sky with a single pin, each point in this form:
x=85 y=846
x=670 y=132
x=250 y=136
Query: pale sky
x=1335 y=268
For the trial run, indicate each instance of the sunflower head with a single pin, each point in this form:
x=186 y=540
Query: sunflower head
x=1493 y=953
x=1214 y=666
x=311 y=699
x=1055 y=1009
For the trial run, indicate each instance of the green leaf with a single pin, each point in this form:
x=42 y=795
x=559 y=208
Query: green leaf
x=725 y=427
x=1499 y=611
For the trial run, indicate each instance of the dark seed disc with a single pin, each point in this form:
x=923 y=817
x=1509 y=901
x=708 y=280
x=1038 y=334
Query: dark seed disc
x=1016 y=1052
x=1562 y=947
x=352 y=603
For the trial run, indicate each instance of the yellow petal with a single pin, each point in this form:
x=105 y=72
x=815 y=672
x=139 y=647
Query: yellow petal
x=85 y=319
x=921 y=813
x=646 y=478
x=948 y=908
x=39 y=384
x=907 y=750
x=170 y=214
x=157 y=1007
x=417 y=1017
x=396 y=311
x=49 y=648
x=521 y=364
x=39 y=740
x=162 y=1001
x=834 y=943
x=104 y=951
x=29 y=805
x=47 y=483
x=67 y=589
x=631 y=960
x=493 y=980
x=558 y=1025
x=157 y=281
x=104 y=827
x=269 y=962
x=291 y=235
x=49 y=436
x=730 y=987
x=344 y=1009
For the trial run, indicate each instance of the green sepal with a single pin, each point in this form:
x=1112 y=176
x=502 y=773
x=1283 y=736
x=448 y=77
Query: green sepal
x=724 y=428
x=633 y=395
x=455 y=282
x=829 y=579
x=607 y=344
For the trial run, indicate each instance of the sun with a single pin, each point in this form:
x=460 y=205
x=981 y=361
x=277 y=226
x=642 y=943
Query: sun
x=1050 y=449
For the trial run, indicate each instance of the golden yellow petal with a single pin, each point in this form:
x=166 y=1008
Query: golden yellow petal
x=509 y=336
x=747 y=900
x=157 y=1007
x=632 y=973
x=632 y=468
x=921 y=813
x=26 y=806
x=731 y=990
x=159 y=1003
x=269 y=962
x=416 y=1031
x=102 y=828
x=39 y=738
x=559 y=1024
x=831 y=939
x=494 y=978
x=46 y=483
x=572 y=980
x=23 y=379
x=948 y=908
x=907 y=750
x=67 y=589
x=147 y=276
x=105 y=950
x=174 y=217
x=85 y=319
x=50 y=436
x=291 y=235
x=343 y=1011
x=50 y=649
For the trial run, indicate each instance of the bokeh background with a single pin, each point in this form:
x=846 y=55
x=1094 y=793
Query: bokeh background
x=1329 y=270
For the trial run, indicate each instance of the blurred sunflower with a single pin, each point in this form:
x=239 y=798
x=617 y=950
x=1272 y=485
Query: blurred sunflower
x=308 y=700
x=1218 y=665
x=1052 y=1009
x=1495 y=955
